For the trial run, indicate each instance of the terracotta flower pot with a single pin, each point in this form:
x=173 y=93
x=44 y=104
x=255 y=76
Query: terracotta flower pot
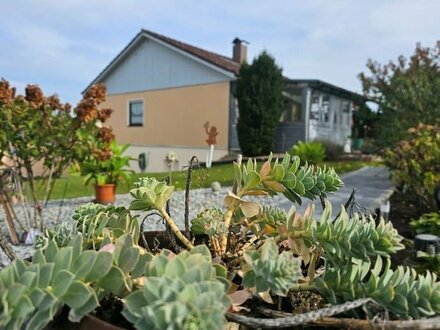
x=105 y=194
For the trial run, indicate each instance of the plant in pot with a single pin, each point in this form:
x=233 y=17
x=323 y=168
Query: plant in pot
x=254 y=263
x=107 y=167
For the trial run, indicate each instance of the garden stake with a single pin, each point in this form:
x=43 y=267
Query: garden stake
x=194 y=162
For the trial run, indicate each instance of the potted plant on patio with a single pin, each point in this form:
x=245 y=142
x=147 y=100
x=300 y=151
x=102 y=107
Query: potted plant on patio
x=107 y=168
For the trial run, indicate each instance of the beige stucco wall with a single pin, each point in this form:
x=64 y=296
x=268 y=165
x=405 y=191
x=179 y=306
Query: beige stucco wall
x=173 y=121
x=174 y=117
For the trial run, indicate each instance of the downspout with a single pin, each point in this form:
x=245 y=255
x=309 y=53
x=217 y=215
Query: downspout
x=307 y=113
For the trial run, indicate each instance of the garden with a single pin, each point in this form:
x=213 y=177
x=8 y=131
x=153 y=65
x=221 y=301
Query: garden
x=243 y=264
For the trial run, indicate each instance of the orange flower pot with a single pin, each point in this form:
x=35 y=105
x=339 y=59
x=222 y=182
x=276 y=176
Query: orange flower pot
x=105 y=194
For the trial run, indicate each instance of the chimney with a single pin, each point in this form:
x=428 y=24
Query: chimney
x=239 y=50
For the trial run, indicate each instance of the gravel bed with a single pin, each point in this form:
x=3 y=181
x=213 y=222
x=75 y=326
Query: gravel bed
x=59 y=210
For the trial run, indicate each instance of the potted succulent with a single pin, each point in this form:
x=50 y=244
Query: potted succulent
x=255 y=263
x=107 y=170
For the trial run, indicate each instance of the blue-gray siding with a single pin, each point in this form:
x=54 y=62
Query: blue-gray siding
x=152 y=65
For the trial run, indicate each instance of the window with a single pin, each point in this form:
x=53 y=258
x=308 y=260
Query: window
x=136 y=113
x=292 y=107
x=314 y=107
x=320 y=107
x=325 y=116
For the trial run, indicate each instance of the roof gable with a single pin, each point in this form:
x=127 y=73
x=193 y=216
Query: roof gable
x=221 y=64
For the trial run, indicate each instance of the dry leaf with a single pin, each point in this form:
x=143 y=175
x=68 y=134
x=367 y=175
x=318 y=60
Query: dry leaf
x=239 y=297
x=250 y=209
x=265 y=169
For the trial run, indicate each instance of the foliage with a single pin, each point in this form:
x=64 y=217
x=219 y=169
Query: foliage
x=32 y=293
x=259 y=96
x=184 y=291
x=406 y=92
x=332 y=150
x=40 y=130
x=209 y=222
x=342 y=239
x=261 y=251
x=110 y=170
x=151 y=194
x=97 y=224
x=310 y=152
x=427 y=224
x=415 y=164
x=267 y=269
x=402 y=291
x=365 y=123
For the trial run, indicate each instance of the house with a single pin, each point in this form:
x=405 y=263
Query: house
x=164 y=92
x=315 y=110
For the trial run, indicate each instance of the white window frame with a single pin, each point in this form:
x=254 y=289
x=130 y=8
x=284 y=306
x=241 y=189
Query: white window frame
x=129 y=124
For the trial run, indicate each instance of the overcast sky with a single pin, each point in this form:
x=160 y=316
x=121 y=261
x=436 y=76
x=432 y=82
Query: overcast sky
x=63 y=44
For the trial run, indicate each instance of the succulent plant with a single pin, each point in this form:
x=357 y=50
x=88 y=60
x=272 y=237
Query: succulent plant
x=99 y=256
x=286 y=177
x=267 y=269
x=184 y=291
x=341 y=239
x=31 y=293
x=98 y=224
x=402 y=291
x=268 y=221
x=62 y=234
x=210 y=222
x=151 y=194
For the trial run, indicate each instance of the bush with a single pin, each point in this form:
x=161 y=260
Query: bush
x=332 y=150
x=370 y=147
x=415 y=164
x=260 y=101
x=427 y=224
x=311 y=152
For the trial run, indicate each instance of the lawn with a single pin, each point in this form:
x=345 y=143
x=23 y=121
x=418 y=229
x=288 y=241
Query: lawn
x=73 y=185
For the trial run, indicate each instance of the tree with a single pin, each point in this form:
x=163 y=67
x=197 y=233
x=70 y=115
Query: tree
x=259 y=95
x=407 y=92
x=41 y=132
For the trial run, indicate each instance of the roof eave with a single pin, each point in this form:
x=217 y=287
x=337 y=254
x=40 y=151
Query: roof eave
x=322 y=85
x=144 y=34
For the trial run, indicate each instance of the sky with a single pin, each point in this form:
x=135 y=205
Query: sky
x=62 y=45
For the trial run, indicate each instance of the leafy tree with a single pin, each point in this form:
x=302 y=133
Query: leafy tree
x=365 y=122
x=406 y=92
x=259 y=95
x=38 y=131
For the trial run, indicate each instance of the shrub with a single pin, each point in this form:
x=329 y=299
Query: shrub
x=259 y=97
x=311 y=152
x=415 y=164
x=332 y=150
x=427 y=224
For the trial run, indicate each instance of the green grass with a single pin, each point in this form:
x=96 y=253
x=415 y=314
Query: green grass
x=73 y=186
